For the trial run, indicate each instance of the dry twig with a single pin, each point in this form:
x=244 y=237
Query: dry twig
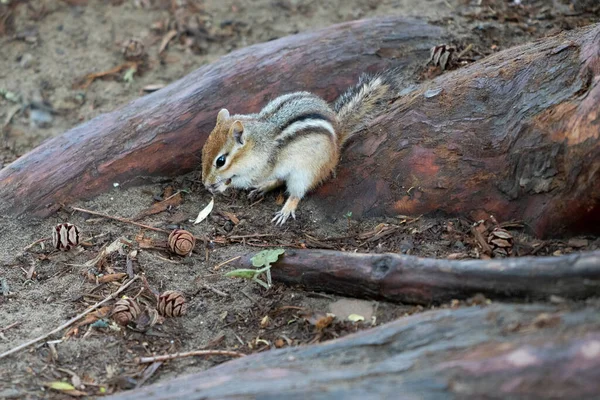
x=36 y=242
x=120 y=219
x=215 y=290
x=217 y=267
x=128 y=221
x=165 y=357
x=11 y=326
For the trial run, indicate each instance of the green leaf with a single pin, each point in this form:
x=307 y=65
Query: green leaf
x=128 y=77
x=59 y=385
x=266 y=257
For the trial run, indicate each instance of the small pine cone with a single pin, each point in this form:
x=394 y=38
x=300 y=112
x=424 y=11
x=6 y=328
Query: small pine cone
x=181 y=242
x=125 y=311
x=65 y=236
x=171 y=303
x=501 y=242
x=133 y=49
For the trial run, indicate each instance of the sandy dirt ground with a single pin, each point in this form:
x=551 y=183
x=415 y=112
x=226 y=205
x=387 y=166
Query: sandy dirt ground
x=48 y=48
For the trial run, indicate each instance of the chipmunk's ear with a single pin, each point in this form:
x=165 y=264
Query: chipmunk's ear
x=223 y=115
x=237 y=131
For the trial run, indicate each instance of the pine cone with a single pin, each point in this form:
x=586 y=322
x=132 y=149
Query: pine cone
x=181 y=242
x=171 y=303
x=501 y=242
x=133 y=49
x=125 y=311
x=65 y=236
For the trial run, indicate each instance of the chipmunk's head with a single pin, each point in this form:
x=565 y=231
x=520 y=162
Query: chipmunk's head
x=226 y=156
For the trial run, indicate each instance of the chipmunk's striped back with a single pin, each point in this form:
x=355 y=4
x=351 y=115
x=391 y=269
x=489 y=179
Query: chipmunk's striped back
x=299 y=114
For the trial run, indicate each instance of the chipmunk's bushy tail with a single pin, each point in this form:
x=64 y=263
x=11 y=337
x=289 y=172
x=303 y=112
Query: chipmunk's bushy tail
x=361 y=103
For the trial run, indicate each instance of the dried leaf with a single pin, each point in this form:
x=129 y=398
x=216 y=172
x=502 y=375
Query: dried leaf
x=153 y=88
x=144 y=242
x=481 y=228
x=171 y=201
x=265 y=321
x=324 y=322
x=319 y=319
x=456 y=256
x=231 y=216
x=100 y=313
x=476 y=231
x=111 y=277
x=166 y=39
x=205 y=212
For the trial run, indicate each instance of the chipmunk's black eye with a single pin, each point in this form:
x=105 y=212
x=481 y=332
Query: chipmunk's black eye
x=221 y=160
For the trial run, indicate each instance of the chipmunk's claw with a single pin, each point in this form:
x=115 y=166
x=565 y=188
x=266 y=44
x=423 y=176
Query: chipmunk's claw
x=256 y=194
x=289 y=208
x=282 y=216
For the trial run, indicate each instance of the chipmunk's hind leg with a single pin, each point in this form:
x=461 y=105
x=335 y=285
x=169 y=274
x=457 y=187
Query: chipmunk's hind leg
x=305 y=163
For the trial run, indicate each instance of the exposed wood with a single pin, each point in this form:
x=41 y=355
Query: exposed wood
x=499 y=352
x=516 y=136
x=162 y=134
x=409 y=279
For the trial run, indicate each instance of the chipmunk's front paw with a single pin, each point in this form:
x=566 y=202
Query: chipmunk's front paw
x=289 y=208
x=282 y=216
x=262 y=189
x=256 y=194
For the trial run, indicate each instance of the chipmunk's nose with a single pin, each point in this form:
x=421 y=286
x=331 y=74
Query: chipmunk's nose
x=210 y=188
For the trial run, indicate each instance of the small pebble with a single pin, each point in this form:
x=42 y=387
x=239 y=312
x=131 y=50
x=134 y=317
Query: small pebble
x=40 y=118
x=577 y=243
x=26 y=60
x=406 y=247
x=458 y=245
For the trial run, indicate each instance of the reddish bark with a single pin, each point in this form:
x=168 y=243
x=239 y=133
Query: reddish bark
x=516 y=135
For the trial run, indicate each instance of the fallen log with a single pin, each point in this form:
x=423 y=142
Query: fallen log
x=162 y=134
x=515 y=135
x=498 y=352
x=409 y=279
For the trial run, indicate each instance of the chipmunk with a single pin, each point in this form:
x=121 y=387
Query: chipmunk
x=294 y=140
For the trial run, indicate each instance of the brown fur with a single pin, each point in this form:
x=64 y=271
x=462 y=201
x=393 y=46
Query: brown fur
x=214 y=144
